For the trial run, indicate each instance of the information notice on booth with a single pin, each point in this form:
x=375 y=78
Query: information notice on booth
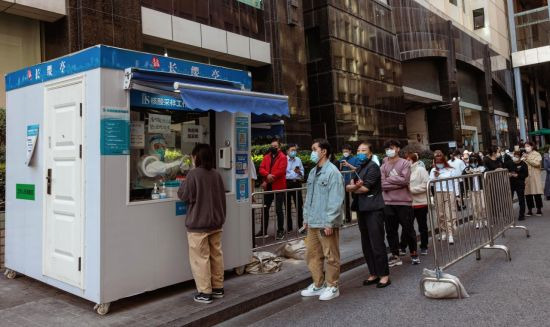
x=32 y=136
x=115 y=131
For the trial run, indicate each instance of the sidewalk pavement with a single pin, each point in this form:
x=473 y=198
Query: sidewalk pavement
x=27 y=302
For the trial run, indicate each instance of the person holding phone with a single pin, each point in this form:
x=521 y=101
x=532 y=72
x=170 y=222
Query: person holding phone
x=369 y=203
x=323 y=218
x=294 y=179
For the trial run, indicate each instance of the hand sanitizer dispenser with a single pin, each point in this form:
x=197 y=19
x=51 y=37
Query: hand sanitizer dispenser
x=224 y=158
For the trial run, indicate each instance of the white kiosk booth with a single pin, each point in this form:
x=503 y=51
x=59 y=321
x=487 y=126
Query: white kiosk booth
x=88 y=137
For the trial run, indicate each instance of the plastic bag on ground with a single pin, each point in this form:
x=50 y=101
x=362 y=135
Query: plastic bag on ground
x=293 y=250
x=264 y=263
x=442 y=290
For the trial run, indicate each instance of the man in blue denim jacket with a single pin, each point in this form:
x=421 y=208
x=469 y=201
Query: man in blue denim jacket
x=323 y=218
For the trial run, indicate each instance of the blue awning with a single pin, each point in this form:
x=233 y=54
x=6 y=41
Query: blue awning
x=207 y=94
x=223 y=99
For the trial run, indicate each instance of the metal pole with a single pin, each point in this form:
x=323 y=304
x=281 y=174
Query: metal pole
x=516 y=71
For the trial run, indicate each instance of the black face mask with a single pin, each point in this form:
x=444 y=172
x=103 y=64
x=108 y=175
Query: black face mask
x=273 y=150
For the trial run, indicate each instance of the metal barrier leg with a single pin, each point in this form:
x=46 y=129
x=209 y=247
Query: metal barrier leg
x=478 y=255
x=520 y=227
x=500 y=247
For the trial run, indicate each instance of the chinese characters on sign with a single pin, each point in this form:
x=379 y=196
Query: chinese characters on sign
x=159 y=124
x=192 y=134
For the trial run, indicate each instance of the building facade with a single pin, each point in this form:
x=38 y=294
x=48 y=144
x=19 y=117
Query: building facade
x=530 y=25
x=433 y=72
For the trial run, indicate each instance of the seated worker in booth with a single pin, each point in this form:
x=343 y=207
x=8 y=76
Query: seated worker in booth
x=204 y=193
x=153 y=169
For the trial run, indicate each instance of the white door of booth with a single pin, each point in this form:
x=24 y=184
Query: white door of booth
x=63 y=218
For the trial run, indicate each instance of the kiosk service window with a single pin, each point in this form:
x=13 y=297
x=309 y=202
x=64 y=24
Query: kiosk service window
x=161 y=142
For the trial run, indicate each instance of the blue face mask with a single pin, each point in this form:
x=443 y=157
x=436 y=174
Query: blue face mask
x=292 y=154
x=160 y=152
x=440 y=166
x=314 y=157
x=361 y=157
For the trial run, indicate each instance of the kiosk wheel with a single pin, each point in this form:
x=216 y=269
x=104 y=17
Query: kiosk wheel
x=239 y=271
x=102 y=308
x=10 y=274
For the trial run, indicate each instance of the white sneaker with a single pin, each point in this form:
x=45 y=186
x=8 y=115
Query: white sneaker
x=451 y=239
x=330 y=293
x=477 y=225
x=311 y=290
x=442 y=237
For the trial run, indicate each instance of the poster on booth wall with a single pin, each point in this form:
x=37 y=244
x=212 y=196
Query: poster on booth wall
x=241 y=128
x=159 y=124
x=241 y=164
x=32 y=136
x=115 y=131
x=242 y=190
x=192 y=133
x=137 y=135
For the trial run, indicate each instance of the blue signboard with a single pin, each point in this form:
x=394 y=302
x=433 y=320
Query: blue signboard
x=120 y=59
x=115 y=131
x=181 y=208
x=242 y=189
x=157 y=101
x=241 y=127
x=241 y=163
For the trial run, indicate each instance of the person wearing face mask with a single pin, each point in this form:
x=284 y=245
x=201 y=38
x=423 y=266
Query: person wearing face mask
x=518 y=172
x=445 y=196
x=368 y=202
x=347 y=165
x=273 y=171
x=533 y=183
x=418 y=187
x=474 y=187
x=396 y=174
x=456 y=162
x=294 y=179
x=492 y=160
x=204 y=193
x=323 y=219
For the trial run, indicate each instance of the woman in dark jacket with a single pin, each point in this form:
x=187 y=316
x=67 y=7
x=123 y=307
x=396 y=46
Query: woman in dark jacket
x=518 y=173
x=369 y=204
x=546 y=162
x=204 y=193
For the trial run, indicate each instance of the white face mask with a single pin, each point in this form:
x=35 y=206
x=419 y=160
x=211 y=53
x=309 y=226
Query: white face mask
x=390 y=153
x=528 y=149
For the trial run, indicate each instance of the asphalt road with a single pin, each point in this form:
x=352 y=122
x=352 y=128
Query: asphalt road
x=502 y=293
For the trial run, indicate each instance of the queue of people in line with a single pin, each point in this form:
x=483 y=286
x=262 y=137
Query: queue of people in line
x=385 y=195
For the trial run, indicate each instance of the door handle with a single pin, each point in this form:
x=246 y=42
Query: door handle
x=49 y=181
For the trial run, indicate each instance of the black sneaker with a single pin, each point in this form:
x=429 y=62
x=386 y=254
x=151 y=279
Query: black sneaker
x=203 y=298
x=402 y=252
x=217 y=293
x=528 y=214
x=280 y=235
x=521 y=218
x=539 y=213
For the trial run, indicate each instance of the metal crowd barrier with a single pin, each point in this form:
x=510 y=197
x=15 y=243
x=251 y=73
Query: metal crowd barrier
x=290 y=197
x=467 y=214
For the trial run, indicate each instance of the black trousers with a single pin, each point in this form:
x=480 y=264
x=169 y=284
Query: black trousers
x=421 y=216
x=347 y=207
x=538 y=201
x=396 y=215
x=371 y=226
x=279 y=199
x=295 y=196
x=519 y=189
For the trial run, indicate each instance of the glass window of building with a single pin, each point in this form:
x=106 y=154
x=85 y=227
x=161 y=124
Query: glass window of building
x=479 y=18
x=454 y=2
x=161 y=145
